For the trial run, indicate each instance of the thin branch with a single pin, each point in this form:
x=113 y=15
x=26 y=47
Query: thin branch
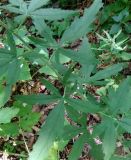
x=27 y=149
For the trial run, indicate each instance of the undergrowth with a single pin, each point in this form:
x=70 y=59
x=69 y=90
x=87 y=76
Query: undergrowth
x=49 y=50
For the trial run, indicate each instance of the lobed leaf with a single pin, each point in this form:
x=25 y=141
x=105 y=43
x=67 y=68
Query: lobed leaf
x=80 y=27
x=52 y=128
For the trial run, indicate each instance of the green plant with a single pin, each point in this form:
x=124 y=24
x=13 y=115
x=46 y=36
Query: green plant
x=76 y=71
x=116 y=16
x=33 y=10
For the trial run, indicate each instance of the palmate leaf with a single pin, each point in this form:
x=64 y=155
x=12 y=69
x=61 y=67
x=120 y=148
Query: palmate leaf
x=33 y=10
x=44 y=31
x=6 y=114
x=52 y=128
x=84 y=57
x=80 y=27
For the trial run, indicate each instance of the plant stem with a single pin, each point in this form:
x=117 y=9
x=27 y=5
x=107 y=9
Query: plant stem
x=27 y=149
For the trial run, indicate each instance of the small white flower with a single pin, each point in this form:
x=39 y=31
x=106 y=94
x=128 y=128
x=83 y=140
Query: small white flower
x=97 y=141
x=111 y=41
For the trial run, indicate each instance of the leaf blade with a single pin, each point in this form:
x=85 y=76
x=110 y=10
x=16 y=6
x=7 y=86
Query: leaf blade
x=80 y=27
x=109 y=141
x=37 y=99
x=35 y=4
x=8 y=113
x=83 y=106
x=107 y=72
x=77 y=148
x=49 y=133
x=52 y=14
